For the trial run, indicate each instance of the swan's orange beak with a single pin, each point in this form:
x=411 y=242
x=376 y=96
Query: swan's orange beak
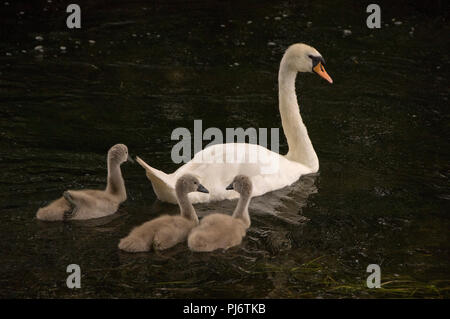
x=320 y=70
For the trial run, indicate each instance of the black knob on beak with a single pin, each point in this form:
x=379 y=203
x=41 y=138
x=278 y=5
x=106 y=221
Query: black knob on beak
x=202 y=189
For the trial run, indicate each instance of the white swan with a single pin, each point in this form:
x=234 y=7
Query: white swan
x=88 y=203
x=267 y=170
x=220 y=231
x=166 y=231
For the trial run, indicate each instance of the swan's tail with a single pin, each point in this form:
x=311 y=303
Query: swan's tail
x=162 y=183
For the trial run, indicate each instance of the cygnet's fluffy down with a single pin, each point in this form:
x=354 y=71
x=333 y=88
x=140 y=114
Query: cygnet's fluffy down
x=87 y=204
x=219 y=231
x=166 y=231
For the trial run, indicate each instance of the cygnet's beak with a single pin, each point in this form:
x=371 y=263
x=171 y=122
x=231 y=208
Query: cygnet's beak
x=202 y=189
x=320 y=70
x=129 y=159
x=230 y=187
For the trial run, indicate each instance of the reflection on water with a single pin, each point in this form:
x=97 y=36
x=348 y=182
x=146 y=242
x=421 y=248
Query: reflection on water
x=380 y=133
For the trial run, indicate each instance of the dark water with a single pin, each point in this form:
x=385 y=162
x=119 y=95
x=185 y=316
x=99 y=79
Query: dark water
x=381 y=132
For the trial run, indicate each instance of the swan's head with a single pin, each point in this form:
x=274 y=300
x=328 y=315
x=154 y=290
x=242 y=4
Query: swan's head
x=303 y=58
x=189 y=183
x=241 y=184
x=119 y=154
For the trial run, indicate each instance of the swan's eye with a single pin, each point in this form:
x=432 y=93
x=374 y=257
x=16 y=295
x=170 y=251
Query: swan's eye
x=316 y=60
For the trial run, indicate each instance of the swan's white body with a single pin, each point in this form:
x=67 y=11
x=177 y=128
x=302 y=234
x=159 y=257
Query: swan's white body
x=215 y=177
x=267 y=170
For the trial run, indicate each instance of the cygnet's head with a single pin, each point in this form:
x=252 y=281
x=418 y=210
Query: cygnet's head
x=119 y=154
x=189 y=183
x=241 y=184
x=304 y=58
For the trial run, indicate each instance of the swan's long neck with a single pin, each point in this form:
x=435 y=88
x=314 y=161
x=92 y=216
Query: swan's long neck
x=115 y=184
x=241 y=210
x=300 y=147
x=186 y=208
